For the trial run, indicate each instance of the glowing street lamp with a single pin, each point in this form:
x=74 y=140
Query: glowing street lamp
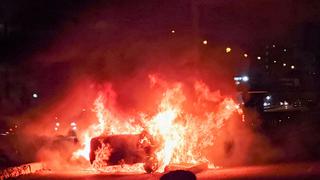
x=35 y=95
x=228 y=50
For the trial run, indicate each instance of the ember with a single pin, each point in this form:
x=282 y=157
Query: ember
x=178 y=131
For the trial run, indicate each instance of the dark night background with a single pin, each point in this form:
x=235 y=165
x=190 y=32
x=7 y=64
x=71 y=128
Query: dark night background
x=44 y=44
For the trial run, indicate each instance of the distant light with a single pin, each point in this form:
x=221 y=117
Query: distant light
x=268 y=97
x=74 y=128
x=265 y=104
x=173 y=31
x=274 y=61
x=242 y=78
x=237 y=82
x=56 y=129
x=57 y=124
x=285 y=50
x=83 y=109
x=245 y=55
x=292 y=67
x=35 y=95
x=258 y=57
x=281 y=103
x=245 y=78
x=228 y=50
x=73 y=124
x=273 y=45
x=285 y=103
x=284 y=64
x=205 y=42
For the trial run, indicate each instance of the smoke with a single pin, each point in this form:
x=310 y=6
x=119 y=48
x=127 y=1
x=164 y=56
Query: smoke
x=106 y=48
x=241 y=143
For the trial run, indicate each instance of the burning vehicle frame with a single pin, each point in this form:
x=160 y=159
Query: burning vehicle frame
x=171 y=136
x=123 y=149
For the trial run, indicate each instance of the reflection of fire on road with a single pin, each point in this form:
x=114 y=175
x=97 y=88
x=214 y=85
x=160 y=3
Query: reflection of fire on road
x=184 y=125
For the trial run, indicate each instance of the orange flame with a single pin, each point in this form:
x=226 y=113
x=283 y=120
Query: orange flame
x=181 y=134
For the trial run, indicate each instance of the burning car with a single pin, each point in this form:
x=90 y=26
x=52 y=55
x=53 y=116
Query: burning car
x=123 y=149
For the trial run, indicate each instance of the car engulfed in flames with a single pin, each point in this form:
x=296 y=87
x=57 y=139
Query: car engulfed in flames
x=183 y=124
x=123 y=149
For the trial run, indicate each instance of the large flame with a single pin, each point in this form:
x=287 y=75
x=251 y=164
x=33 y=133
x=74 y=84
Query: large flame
x=182 y=133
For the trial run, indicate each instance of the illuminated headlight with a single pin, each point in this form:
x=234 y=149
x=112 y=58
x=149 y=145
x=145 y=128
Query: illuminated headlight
x=266 y=104
x=284 y=103
x=237 y=78
x=245 y=78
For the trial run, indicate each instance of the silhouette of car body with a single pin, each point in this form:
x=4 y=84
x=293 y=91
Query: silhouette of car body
x=125 y=149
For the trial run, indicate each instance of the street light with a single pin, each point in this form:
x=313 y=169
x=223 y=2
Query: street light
x=245 y=78
x=228 y=50
x=35 y=95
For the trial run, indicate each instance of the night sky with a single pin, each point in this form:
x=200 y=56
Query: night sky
x=34 y=24
x=51 y=41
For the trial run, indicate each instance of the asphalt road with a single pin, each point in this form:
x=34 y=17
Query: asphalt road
x=281 y=171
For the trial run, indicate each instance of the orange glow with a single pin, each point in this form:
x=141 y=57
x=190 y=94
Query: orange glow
x=181 y=133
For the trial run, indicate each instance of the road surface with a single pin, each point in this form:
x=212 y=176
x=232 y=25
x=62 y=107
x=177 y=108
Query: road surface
x=281 y=171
